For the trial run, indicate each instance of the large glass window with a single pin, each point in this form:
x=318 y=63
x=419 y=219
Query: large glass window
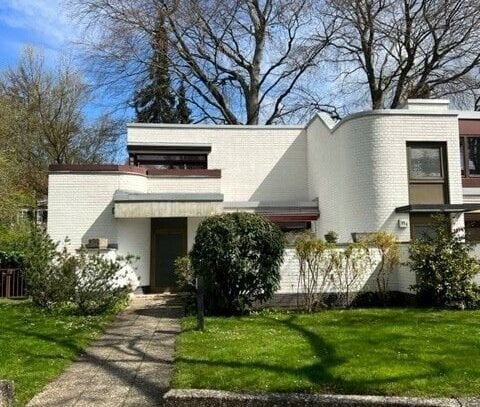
x=474 y=155
x=470 y=156
x=427 y=173
x=425 y=161
x=172 y=161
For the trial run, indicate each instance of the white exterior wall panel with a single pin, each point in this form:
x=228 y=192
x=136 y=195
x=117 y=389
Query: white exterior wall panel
x=360 y=173
x=134 y=239
x=258 y=164
x=183 y=185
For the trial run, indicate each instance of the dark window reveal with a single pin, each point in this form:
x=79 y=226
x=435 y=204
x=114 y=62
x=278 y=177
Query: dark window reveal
x=172 y=161
x=472 y=227
x=473 y=155
x=427 y=173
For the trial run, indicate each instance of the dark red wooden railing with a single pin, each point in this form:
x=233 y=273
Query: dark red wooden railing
x=12 y=283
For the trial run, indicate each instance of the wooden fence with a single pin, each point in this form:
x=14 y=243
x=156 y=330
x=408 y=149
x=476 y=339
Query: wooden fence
x=12 y=283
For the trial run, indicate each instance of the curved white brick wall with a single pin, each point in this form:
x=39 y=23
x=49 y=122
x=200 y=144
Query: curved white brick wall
x=359 y=170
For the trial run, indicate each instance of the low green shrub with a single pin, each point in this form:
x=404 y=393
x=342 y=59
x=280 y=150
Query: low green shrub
x=101 y=283
x=444 y=267
x=90 y=283
x=184 y=274
x=239 y=256
x=49 y=272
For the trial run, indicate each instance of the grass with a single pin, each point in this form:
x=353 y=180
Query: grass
x=414 y=352
x=35 y=346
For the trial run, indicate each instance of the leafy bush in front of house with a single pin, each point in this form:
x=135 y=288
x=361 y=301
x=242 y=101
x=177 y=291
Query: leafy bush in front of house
x=11 y=259
x=444 y=267
x=49 y=272
x=184 y=274
x=239 y=256
x=90 y=283
x=317 y=259
x=15 y=237
x=328 y=275
x=353 y=265
x=387 y=247
x=101 y=283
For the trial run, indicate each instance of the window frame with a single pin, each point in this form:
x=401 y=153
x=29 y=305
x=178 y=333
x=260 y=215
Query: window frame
x=443 y=180
x=443 y=169
x=465 y=150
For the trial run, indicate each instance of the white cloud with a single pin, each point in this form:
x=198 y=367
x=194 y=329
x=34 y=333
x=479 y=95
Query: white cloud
x=46 y=21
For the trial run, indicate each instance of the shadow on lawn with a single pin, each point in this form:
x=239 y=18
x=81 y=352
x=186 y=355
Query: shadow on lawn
x=119 y=353
x=318 y=375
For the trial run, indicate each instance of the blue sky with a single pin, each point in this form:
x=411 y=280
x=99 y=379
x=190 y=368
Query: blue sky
x=46 y=25
x=42 y=23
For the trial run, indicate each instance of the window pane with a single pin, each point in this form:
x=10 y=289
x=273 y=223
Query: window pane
x=474 y=155
x=425 y=162
x=462 y=157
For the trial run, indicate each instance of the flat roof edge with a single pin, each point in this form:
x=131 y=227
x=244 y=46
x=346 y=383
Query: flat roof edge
x=135 y=197
x=216 y=126
x=393 y=112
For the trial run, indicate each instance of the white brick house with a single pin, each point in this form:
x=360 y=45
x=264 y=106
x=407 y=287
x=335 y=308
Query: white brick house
x=380 y=170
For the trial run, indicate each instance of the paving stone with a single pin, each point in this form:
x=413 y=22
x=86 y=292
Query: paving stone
x=130 y=365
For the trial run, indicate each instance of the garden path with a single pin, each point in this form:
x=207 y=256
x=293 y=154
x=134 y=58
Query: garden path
x=129 y=365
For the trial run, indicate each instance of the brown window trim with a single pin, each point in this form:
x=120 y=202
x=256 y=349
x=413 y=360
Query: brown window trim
x=443 y=161
x=443 y=167
x=468 y=180
x=130 y=169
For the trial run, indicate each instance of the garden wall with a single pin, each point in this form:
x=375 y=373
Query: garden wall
x=400 y=280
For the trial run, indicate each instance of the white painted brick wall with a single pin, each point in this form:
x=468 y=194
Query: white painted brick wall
x=80 y=205
x=359 y=172
x=258 y=164
x=183 y=184
x=134 y=239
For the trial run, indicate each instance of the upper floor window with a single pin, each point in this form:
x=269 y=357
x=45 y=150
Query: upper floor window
x=470 y=155
x=170 y=156
x=425 y=161
x=173 y=161
x=427 y=173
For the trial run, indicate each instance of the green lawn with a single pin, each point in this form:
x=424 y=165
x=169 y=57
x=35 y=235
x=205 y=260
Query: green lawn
x=413 y=352
x=36 y=346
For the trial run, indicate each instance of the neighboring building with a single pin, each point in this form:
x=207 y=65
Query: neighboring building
x=378 y=170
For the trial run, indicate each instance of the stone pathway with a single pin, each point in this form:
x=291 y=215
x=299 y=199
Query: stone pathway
x=130 y=365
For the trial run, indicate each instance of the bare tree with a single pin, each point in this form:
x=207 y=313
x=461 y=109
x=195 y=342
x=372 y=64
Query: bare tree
x=241 y=60
x=50 y=125
x=401 y=49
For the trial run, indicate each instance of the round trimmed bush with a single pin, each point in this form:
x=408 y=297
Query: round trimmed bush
x=239 y=257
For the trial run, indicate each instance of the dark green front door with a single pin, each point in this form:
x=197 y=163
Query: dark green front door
x=169 y=241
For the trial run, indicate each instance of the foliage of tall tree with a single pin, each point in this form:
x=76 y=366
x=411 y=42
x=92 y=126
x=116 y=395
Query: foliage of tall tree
x=243 y=61
x=48 y=124
x=183 y=111
x=155 y=102
x=400 y=49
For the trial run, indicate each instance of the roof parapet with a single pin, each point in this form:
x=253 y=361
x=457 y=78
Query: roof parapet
x=426 y=104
